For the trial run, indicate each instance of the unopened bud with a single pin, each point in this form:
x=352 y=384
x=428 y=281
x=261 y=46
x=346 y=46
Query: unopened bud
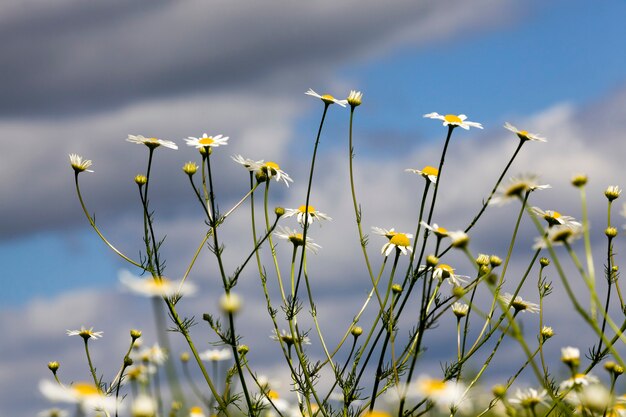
x=610 y=232
x=495 y=261
x=544 y=262
x=141 y=180
x=279 y=211
x=579 y=180
x=135 y=334
x=396 y=288
x=356 y=331
x=432 y=260
x=243 y=349
x=53 y=366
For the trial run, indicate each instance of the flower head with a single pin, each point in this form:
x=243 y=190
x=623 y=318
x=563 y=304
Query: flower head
x=207 y=141
x=79 y=164
x=267 y=169
x=460 y=309
x=530 y=398
x=151 y=287
x=216 y=355
x=90 y=397
x=524 y=134
x=428 y=172
x=230 y=303
x=288 y=338
x=399 y=241
x=85 y=333
x=612 y=192
x=296 y=238
x=518 y=303
x=355 y=98
x=151 y=142
x=459 y=238
x=554 y=218
x=154 y=355
x=196 y=412
x=578 y=380
x=301 y=213
x=327 y=98
x=444 y=271
x=143 y=406
x=445 y=394
x=516 y=188
x=570 y=355
x=454 y=120
x=439 y=231
x=559 y=235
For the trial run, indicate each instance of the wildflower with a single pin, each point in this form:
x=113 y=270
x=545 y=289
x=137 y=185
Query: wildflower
x=518 y=303
x=570 y=356
x=554 y=218
x=454 y=120
x=579 y=180
x=79 y=164
x=399 y=241
x=524 y=134
x=216 y=355
x=612 y=192
x=327 y=98
x=460 y=309
x=207 y=141
x=286 y=337
x=190 y=168
x=53 y=366
x=428 y=172
x=559 y=235
x=265 y=169
x=53 y=412
x=444 y=271
x=87 y=395
x=140 y=372
x=445 y=394
x=230 y=302
x=154 y=287
x=439 y=231
x=546 y=332
x=296 y=238
x=354 y=98
x=151 y=142
x=196 y=412
x=85 y=333
x=301 y=213
x=143 y=406
x=459 y=238
x=578 y=380
x=154 y=354
x=516 y=188
x=388 y=233
x=593 y=398
x=530 y=398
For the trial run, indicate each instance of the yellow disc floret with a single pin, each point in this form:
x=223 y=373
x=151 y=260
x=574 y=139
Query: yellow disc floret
x=400 y=239
x=206 y=141
x=453 y=119
x=302 y=209
x=428 y=170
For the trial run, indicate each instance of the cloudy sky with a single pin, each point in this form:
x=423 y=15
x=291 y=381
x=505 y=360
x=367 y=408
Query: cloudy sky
x=80 y=76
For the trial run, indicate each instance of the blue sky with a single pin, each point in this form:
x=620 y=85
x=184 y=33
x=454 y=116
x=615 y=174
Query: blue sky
x=93 y=83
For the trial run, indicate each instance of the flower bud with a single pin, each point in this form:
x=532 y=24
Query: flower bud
x=135 y=334
x=190 y=168
x=483 y=270
x=498 y=391
x=230 y=303
x=546 y=332
x=279 y=211
x=482 y=259
x=544 y=262
x=53 y=366
x=495 y=261
x=432 y=260
x=579 y=180
x=184 y=357
x=458 y=291
x=610 y=232
x=127 y=361
x=356 y=331
x=141 y=180
x=612 y=192
x=396 y=288
x=355 y=98
x=243 y=349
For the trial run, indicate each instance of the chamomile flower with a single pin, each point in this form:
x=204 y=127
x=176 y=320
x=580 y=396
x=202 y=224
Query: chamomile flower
x=286 y=337
x=444 y=271
x=246 y=162
x=270 y=169
x=439 y=231
x=570 y=355
x=444 y=394
x=151 y=142
x=196 y=412
x=143 y=406
x=207 y=141
x=296 y=238
x=355 y=98
x=554 y=218
x=454 y=120
x=388 y=233
x=524 y=134
x=154 y=287
x=428 y=172
x=90 y=397
x=327 y=98
x=578 y=380
x=518 y=303
x=530 y=398
x=216 y=355
x=399 y=241
x=85 y=333
x=516 y=188
x=460 y=309
x=79 y=164
x=459 y=238
x=559 y=235
x=300 y=212
x=154 y=354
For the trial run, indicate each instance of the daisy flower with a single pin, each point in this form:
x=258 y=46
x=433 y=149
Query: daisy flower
x=444 y=271
x=530 y=398
x=79 y=164
x=151 y=142
x=578 y=380
x=524 y=134
x=428 y=172
x=454 y=120
x=570 y=355
x=459 y=238
x=296 y=238
x=327 y=98
x=269 y=168
x=554 y=218
x=87 y=395
x=151 y=287
x=301 y=214
x=355 y=98
x=143 y=405
x=559 y=235
x=216 y=355
x=518 y=303
x=444 y=394
x=612 y=192
x=288 y=338
x=439 y=231
x=154 y=354
x=516 y=188
x=594 y=399
x=399 y=241
x=460 y=309
x=85 y=333
x=246 y=162
x=196 y=412
x=206 y=140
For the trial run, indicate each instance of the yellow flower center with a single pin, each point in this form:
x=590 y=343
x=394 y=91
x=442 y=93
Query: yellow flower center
x=297 y=239
x=453 y=119
x=555 y=215
x=206 y=141
x=375 y=413
x=400 y=239
x=84 y=389
x=327 y=98
x=302 y=209
x=441 y=231
x=160 y=282
x=433 y=386
x=562 y=235
x=428 y=170
x=516 y=189
x=446 y=270
x=273 y=394
x=523 y=133
x=271 y=168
